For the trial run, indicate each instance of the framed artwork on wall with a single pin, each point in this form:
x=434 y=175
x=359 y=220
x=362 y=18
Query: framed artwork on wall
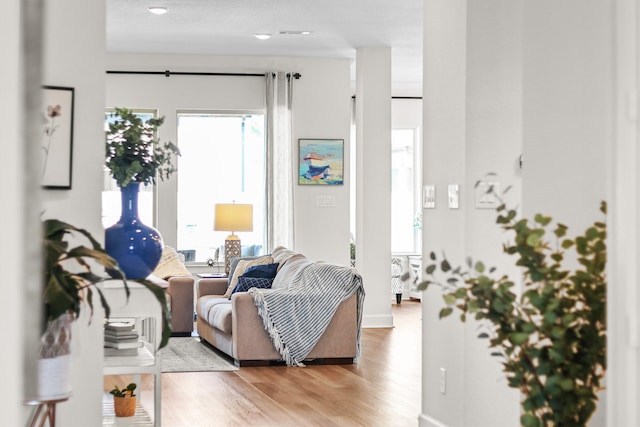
x=57 y=137
x=321 y=161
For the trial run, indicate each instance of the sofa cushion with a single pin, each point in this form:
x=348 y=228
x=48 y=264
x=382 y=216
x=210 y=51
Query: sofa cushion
x=242 y=267
x=246 y=283
x=233 y=263
x=216 y=311
x=220 y=317
x=267 y=271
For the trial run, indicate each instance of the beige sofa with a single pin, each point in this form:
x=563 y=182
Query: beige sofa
x=234 y=326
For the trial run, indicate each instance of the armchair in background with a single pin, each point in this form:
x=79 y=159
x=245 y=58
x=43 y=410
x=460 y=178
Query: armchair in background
x=180 y=295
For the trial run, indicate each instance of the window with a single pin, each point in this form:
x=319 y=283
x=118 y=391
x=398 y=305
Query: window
x=222 y=160
x=111 y=201
x=406 y=221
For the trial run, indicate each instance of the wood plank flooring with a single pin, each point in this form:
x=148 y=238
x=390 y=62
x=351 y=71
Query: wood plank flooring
x=382 y=389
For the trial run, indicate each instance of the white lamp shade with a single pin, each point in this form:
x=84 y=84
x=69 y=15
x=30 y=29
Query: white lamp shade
x=233 y=217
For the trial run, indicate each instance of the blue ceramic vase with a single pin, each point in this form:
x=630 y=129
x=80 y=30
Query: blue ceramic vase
x=136 y=247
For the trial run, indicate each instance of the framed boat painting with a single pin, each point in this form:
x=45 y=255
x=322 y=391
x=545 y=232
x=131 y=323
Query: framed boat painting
x=57 y=137
x=321 y=161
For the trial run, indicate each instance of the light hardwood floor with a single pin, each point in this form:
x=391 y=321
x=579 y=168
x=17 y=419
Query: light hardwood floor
x=382 y=389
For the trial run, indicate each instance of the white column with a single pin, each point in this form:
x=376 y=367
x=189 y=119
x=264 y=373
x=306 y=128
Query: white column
x=12 y=245
x=623 y=296
x=373 y=170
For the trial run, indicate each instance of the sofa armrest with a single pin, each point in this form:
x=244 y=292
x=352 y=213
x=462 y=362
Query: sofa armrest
x=182 y=303
x=250 y=341
x=216 y=286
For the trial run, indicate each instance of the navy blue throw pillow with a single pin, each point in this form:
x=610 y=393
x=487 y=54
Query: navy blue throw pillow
x=246 y=283
x=267 y=271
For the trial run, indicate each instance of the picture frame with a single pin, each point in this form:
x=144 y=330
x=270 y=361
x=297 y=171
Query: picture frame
x=320 y=161
x=57 y=137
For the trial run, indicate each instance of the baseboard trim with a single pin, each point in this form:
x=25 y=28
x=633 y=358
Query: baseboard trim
x=428 y=421
x=377 y=321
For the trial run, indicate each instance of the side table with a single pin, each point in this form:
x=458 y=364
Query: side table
x=46 y=410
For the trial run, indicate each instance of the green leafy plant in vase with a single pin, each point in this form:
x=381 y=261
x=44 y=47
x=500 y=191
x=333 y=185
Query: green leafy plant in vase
x=551 y=336
x=133 y=151
x=134 y=156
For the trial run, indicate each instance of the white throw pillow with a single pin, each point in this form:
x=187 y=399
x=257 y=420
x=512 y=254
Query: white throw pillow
x=170 y=265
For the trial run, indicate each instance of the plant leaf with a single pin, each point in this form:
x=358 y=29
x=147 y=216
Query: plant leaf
x=445 y=312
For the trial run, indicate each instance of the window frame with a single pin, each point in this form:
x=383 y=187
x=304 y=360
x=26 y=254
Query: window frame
x=218 y=112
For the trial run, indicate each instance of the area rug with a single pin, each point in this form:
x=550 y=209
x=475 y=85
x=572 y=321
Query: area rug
x=188 y=354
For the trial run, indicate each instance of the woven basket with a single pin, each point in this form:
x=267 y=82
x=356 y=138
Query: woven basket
x=124 y=406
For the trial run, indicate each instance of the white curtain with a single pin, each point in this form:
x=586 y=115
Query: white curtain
x=279 y=157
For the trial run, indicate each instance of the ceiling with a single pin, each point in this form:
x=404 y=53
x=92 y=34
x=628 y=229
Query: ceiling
x=226 y=27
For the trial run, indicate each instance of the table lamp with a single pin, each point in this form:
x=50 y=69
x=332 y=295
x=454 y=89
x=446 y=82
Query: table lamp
x=232 y=217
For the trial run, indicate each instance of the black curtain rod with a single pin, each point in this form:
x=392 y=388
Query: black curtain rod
x=168 y=73
x=397 y=97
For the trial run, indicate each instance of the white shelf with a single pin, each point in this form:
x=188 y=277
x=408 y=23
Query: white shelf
x=144 y=363
x=139 y=419
x=142 y=307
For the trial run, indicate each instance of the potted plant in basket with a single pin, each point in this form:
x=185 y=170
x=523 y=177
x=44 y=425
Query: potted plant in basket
x=69 y=285
x=124 y=400
x=135 y=156
x=551 y=339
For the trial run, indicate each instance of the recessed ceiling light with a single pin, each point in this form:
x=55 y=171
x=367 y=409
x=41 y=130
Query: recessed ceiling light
x=158 y=10
x=262 y=36
x=295 y=32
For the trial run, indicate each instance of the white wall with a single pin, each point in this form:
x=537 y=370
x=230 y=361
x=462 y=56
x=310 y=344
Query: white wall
x=12 y=249
x=406 y=113
x=504 y=77
x=567 y=120
x=493 y=144
x=74 y=57
x=321 y=103
x=444 y=136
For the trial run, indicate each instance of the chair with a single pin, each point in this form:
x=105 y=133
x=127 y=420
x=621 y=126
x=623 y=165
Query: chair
x=397 y=286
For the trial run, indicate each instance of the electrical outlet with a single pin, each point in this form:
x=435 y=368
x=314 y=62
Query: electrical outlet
x=443 y=381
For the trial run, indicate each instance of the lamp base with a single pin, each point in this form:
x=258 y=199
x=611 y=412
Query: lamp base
x=231 y=249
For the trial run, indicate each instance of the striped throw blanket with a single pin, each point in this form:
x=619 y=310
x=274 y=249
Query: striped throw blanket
x=296 y=316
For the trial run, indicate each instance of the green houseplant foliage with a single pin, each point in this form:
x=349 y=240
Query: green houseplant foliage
x=69 y=278
x=134 y=153
x=551 y=338
x=124 y=392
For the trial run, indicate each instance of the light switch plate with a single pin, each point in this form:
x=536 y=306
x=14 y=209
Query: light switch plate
x=454 y=196
x=325 y=201
x=429 y=197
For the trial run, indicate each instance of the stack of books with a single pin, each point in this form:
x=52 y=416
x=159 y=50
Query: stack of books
x=121 y=339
